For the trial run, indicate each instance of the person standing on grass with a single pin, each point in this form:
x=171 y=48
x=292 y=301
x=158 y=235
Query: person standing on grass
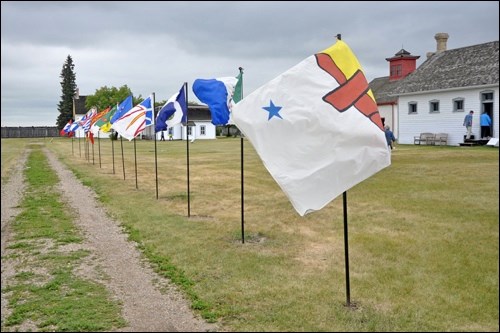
x=468 y=124
x=485 y=122
x=389 y=136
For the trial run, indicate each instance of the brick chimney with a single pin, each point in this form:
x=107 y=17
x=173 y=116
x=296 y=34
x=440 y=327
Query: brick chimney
x=441 y=39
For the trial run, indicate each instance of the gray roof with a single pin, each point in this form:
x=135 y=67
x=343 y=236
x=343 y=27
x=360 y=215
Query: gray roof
x=383 y=90
x=80 y=105
x=199 y=113
x=470 y=66
x=195 y=112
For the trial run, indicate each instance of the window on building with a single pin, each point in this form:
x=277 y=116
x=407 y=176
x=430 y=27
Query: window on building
x=396 y=70
x=434 y=106
x=190 y=130
x=458 y=104
x=399 y=70
x=203 y=130
x=412 y=107
x=487 y=96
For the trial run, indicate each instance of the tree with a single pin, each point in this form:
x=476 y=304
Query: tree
x=68 y=84
x=109 y=96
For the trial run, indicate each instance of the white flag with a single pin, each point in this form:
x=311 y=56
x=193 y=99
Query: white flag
x=135 y=120
x=316 y=127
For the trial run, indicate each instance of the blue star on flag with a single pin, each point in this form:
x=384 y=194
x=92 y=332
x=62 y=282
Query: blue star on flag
x=273 y=110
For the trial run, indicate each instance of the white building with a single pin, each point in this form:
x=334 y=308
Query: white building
x=199 y=125
x=436 y=96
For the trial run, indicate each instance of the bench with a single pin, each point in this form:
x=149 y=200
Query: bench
x=441 y=139
x=424 y=138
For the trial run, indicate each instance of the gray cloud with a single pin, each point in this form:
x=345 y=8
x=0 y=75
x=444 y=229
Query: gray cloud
x=157 y=46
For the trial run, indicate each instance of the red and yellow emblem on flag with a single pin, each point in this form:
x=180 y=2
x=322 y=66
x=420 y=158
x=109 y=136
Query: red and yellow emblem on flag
x=316 y=128
x=353 y=88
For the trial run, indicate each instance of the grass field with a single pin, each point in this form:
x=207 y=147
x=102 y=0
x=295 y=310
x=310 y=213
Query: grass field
x=423 y=235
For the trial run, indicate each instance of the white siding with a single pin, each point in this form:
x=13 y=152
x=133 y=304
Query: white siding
x=446 y=120
x=179 y=131
x=390 y=112
x=209 y=130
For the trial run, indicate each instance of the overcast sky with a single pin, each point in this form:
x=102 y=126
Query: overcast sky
x=157 y=46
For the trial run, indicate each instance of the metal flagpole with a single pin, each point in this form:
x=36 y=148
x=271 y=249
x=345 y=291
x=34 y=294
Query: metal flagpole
x=99 y=147
x=242 y=175
x=113 y=138
x=113 y=149
x=123 y=158
x=135 y=163
x=346 y=239
x=75 y=95
x=187 y=149
x=156 y=147
x=346 y=251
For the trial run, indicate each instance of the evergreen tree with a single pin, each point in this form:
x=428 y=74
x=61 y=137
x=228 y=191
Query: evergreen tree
x=68 y=85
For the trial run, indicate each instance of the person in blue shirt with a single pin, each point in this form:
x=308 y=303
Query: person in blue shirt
x=389 y=136
x=485 y=122
x=468 y=123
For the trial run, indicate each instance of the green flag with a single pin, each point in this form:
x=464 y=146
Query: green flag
x=104 y=123
x=238 y=88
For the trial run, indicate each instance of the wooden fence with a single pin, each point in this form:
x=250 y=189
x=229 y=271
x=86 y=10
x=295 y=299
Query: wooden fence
x=30 y=132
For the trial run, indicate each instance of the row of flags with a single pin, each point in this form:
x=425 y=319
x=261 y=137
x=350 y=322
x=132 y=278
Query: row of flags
x=316 y=126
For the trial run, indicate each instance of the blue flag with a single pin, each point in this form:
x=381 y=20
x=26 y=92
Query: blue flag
x=217 y=94
x=173 y=112
x=123 y=107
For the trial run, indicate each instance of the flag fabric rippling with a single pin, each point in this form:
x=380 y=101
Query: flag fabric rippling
x=123 y=107
x=135 y=120
x=217 y=94
x=173 y=112
x=316 y=128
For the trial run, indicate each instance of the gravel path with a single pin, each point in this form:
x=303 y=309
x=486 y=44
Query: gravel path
x=114 y=261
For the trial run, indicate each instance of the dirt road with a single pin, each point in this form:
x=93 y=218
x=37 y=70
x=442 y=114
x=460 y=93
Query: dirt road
x=150 y=303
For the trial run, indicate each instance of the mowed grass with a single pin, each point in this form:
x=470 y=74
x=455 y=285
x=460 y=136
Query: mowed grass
x=423 y=236
x=45 y=294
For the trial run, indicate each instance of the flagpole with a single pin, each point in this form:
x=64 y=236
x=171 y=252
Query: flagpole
x=242 y=175
x=123 y=158
x=74 y=117
x=99 y=147
x=346 y=238
x=79 y=146
x=156 y=147
x=113 y=149
x=93 y=157
x=187 y=149
x=346 y=251
x=135 y=163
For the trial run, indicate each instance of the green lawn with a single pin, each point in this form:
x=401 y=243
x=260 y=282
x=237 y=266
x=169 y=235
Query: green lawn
x=423 y=236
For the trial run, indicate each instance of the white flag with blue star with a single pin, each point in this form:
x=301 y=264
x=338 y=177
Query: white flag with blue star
x=316 y=128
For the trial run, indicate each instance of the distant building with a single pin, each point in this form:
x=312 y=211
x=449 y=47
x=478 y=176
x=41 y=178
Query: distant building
x=200 y=126
x=436 y=96
x=400 y=66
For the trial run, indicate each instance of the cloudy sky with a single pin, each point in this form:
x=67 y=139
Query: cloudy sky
x=157 y=46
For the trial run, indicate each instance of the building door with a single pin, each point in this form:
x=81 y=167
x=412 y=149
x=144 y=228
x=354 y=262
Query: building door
x=487 y=107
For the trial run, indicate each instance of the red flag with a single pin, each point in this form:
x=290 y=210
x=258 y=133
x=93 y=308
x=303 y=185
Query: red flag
x=91 y=137
x=66 y=127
